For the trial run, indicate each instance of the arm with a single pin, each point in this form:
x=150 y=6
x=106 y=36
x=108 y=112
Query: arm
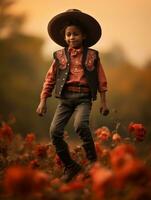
x=47 y=89
x=104 y=108
x=102 y=89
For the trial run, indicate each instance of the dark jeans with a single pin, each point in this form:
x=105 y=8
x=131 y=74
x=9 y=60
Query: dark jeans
x=79 y=104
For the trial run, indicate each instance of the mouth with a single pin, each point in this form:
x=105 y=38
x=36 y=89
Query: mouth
x=73 y=41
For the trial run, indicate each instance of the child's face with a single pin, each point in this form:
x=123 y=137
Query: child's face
x=74 y=36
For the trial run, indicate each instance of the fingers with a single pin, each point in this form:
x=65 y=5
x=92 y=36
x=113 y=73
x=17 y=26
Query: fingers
x=38 y=112
x=104 y=111
x=41 y=112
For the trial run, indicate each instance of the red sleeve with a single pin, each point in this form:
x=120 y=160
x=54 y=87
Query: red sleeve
x=49 y=82
x=101 y=78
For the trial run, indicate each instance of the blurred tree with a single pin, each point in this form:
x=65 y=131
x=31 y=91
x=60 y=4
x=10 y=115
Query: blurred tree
x=114 y=57
x=21 y=63
x=10 y=24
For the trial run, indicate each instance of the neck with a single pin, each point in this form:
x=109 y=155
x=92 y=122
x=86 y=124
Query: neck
x=78 y=47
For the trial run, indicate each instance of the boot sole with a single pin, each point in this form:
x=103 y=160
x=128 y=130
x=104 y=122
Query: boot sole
x=68 y=179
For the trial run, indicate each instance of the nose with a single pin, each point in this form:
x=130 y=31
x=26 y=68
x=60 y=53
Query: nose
x=71 y=36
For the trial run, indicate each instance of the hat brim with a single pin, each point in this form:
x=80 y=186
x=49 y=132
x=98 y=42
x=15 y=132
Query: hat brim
x=57 y=23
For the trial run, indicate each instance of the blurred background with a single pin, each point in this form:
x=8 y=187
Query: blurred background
x=26 y=55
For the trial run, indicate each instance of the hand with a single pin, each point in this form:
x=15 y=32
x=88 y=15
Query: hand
x=42 y=108
x=104 y=110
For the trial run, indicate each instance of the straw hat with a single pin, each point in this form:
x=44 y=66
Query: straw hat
x=91 y=26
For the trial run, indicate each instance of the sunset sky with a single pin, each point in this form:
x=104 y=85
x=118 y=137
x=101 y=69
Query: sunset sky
x=124 y=22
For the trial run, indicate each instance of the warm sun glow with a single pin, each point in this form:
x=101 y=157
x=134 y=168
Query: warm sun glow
x=126 y=23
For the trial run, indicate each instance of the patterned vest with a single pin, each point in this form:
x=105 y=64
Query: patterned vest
x=89 y=63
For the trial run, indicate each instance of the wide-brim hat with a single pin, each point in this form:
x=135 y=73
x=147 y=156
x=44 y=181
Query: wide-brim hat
x=92 y=27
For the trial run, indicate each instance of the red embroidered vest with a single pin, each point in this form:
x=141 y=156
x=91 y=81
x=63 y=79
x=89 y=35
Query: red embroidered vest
x=89 y=63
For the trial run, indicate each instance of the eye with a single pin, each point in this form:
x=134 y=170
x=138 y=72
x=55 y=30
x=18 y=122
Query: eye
x=68 y=34
x=76 y=34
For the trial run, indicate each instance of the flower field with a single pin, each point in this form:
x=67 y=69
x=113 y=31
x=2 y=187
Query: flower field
x=31 y=170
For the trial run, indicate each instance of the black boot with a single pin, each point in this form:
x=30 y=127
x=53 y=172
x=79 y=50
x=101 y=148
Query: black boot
x=71 y=167
x=91 y=156
x=70 y=172
x=90 y=151
x=65 y=157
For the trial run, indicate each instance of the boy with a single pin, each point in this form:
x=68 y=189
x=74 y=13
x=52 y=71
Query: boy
x=77 y=74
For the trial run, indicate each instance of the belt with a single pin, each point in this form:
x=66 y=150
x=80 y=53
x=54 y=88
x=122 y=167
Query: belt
x=79 y=89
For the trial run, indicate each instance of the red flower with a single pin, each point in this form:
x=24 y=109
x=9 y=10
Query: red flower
x=116 y=137
x=121 y=154
x=132 y=171
x=41 y=181
x=101 y=180
x=103 y=133
x=21 y=181
x=6 y=133
x=34 y=164
x=30 y=138
x=41 y=150
x=72 y=186
x=56 y=182
x=138 y=130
